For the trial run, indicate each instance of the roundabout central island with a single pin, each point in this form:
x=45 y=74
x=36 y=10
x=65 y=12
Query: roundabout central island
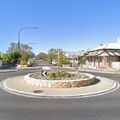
x=59 y=85
x=60 y=79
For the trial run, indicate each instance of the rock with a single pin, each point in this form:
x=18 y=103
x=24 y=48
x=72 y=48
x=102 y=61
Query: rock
x=62 y=85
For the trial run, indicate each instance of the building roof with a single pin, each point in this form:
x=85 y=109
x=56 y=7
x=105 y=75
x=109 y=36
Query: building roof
x=111 y=49
x=108 y=46
x=104 y=53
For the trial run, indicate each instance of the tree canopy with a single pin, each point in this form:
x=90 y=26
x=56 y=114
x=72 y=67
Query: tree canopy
x=24 y=48
x=12 y=56
x=41 y=56
x=52 y=56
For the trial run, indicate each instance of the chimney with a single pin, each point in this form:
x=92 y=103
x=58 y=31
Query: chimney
x=118 y=40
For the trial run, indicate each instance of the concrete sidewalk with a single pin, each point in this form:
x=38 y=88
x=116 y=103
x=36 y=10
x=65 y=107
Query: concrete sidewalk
x=17 y=85
x=112 y=71
x=95 y=70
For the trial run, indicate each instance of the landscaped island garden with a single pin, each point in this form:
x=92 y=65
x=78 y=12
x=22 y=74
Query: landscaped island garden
x=60 y=79
x=63 y=75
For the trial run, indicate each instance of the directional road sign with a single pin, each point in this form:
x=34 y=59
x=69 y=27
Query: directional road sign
x=44 y=73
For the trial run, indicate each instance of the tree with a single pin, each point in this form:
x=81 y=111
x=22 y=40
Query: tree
x=13 y=48
x=42 y=56
x=6 y=59
x=82 y=60
x=52 y=50
x=0 y=56
x=11 y=58
x=24 y=58
x=63 y=59
x=24 y=48
x=52 y=55
x=14 y=57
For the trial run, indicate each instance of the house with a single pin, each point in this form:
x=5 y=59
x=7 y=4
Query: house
x=105 y=56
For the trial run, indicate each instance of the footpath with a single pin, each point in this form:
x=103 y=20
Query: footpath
x=112 y=71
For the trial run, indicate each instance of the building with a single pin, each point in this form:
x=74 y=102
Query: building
x=105 y=56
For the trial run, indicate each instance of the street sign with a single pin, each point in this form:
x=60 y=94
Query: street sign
x=44 y=73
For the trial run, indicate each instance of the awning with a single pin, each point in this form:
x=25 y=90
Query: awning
x=94 y=53
x=90 y=54
x=117 y=53
x=111 y=53
x=104 y=54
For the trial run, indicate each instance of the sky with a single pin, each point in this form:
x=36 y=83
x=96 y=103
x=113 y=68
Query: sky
x=71 y=25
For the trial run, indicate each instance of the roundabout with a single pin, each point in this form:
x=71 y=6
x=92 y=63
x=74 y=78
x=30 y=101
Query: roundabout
x=60 y=80
x=84 y=87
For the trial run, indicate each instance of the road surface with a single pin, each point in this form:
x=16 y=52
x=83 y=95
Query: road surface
x=105 y=107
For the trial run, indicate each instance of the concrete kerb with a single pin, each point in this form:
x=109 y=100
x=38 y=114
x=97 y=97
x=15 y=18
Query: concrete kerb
x=49 y=83
x=30 y=68
x=99 y=71
x=4 y=86
x=95 y=70
x=8 y=70
x=115 y=86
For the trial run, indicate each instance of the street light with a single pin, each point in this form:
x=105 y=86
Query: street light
x=58 y=60
x=75 y=62
x=19 y=35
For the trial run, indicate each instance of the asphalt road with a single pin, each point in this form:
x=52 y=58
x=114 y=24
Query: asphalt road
x=105 y=107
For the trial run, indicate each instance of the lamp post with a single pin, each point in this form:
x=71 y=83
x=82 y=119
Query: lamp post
x=19 y=35
x=58 y=60
x=76 y=62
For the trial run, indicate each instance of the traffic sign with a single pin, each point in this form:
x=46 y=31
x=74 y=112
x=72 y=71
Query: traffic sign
x=44 y=73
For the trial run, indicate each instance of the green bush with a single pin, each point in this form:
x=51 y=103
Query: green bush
x=60 y=75
x=24 y=58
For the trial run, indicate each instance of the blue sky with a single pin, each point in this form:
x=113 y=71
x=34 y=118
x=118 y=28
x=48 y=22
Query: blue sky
x=67 y=24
